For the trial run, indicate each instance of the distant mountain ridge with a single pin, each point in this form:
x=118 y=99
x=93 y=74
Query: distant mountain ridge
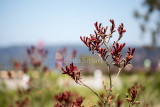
x=18 y=53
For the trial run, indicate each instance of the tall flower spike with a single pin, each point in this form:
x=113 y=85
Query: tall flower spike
x=100 y=30
x=121 y=31
x=132 y=100
x=96 y=25
x=116 y=53
x=117 y=49
x=134 y=94
x=72 y=72
x=112 y=27
x=129 y=55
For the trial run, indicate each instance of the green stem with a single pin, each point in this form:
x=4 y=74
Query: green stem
x=91 y=90
x=94 y=93
x=105 y=104
x=110 y=88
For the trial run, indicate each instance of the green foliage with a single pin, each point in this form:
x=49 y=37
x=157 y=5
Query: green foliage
x=44 y=96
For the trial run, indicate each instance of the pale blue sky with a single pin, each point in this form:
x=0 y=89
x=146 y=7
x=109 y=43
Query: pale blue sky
x=64 y=21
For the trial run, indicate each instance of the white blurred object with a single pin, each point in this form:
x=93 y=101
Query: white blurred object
x=25 y=80
x=98 y=79
x=18 y=80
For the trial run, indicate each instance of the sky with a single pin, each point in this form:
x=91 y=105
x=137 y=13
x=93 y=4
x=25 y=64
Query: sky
x=60 y=22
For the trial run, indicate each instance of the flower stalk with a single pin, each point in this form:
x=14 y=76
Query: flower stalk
x=98 y=44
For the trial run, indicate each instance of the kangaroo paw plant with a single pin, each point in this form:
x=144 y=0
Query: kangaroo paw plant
x=98 y=43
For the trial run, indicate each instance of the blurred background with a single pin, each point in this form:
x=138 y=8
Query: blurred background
x=53 y=29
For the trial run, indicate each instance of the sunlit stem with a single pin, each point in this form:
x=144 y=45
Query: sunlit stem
x=92 y=91
x=116 y=76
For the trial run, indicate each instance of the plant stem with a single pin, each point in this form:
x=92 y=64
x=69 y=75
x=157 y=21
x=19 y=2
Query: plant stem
x=129 y=105
x=110 y=88
x=92 y=91
x=117 y=76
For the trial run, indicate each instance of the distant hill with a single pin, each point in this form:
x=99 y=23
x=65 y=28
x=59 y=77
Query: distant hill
x=18 y=53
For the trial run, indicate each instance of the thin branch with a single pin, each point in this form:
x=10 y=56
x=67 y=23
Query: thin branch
x=129 y=105
x=117 y=76
x=92 y=91
x=105 y=44
x=110 y=88
x=108 y=42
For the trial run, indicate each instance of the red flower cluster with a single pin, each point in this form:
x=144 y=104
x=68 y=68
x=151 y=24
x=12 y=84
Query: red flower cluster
x=63 y=97
x=103 y=53
x=95 y=42
x=136 y=86
x=25 y=67
x=58 y=105
x=116 y=53
x=133 y=97
x=37 y=56
x=72 y=72
x=68 y=99
x=61 y=55
x=16 y=65
x=133 y=92
x=129 y=55
x=100 y=29
x=23 y=103
x=79 y=102
x=87 y=41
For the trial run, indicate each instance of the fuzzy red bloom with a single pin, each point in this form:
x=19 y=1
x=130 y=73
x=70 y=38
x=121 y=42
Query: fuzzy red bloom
x=96 y=25
x=86 y=41
x=103 y=53
x=74 y=52
x=79 y=102
x=94 y=42
x=36 y=56
x=25 y=67
x=72 y=72
x=58 y=105
x=113 y=26
x=134 y=94
x=119 y=103
x=129 y=54
x=68 y=99
x=132 y=100
x=117 y=49
x=116 y=53
x=121 y=30
x=16 y=65
x=63 y=97
x=117 y=59
x=100 y=30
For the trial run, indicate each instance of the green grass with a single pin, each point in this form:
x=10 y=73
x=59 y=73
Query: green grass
x=42 y=93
